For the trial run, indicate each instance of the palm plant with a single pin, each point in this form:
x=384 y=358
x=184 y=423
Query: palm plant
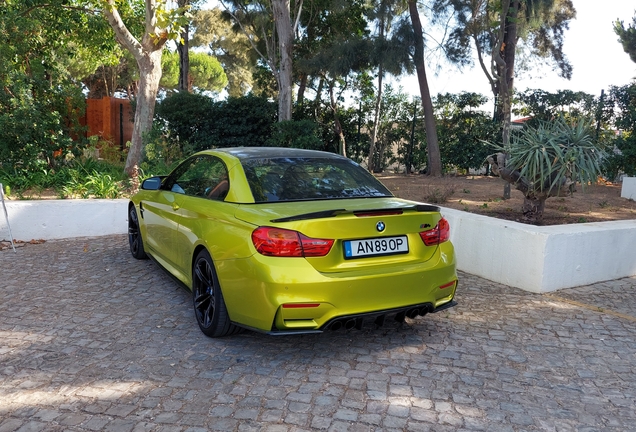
x=548 y=160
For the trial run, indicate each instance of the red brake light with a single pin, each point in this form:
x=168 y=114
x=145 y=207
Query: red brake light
x=315 y=247
x=277 y=242
x=437 y=235
x=280 y=242
x=377 y=213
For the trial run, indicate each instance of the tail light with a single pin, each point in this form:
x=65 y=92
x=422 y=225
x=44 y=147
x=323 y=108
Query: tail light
x=280 y=242
x=437 y=235
x=377 y=213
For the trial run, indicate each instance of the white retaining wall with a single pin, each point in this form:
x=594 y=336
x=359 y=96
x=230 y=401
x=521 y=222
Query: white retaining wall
x=628 y=190
x=57 y=219
x=542 y=259
x=537 y=259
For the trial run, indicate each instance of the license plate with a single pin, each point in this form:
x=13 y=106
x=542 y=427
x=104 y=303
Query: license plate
x=376 y=246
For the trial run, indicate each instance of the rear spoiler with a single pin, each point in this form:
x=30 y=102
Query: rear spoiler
x=331 y=213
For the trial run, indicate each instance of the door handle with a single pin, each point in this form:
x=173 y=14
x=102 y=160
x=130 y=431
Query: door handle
x=175 y=206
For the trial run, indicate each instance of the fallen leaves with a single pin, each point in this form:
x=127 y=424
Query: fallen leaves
x=6 y=244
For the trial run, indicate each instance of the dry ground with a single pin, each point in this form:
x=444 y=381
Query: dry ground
x=483 y=195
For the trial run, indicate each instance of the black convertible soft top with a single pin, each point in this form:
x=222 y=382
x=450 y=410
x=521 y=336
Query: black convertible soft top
x=276 y=152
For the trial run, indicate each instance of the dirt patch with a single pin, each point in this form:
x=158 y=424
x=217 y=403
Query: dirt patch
x=33 y=194
x=484 y=195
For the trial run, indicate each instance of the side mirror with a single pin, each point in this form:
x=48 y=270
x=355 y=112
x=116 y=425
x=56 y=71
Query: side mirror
x=152 y=183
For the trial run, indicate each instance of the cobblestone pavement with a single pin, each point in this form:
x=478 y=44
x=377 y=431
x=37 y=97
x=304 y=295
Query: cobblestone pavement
x=91 y=339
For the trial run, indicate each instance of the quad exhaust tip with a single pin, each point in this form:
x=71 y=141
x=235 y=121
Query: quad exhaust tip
x=346 y=323
x=412 y=313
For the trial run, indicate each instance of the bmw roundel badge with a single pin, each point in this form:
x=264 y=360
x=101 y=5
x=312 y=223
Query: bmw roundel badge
x=380 y=226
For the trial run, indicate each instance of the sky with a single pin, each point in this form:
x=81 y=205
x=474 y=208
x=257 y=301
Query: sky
x=590 y=44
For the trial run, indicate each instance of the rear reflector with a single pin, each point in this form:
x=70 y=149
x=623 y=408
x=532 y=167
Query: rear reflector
x=300 y=305
x=448 y=285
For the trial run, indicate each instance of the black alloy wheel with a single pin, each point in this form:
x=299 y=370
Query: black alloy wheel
x=209 y=306
x=134 y=235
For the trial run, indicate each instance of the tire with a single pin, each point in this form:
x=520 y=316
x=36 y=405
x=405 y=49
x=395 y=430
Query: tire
x=134 y=235
x=207 y=299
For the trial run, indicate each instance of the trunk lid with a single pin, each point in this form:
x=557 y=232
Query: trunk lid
x=367 y=232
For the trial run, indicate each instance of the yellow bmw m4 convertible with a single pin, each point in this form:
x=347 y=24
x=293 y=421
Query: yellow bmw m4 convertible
x=286 y=241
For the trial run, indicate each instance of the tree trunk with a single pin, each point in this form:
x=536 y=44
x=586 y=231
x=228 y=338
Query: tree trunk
x=184 y=62
x=434 y=166
x=149 y=77
x=376 y=121
x=409 y=149
x=505 y=63
x=510 y=42
x=381 y=147
x=184 y=54
x=336 y=123
x=504 y=57
x=533 y=208
x=318 y=101
x=534 y=203
x=147 y=53
x=283 y=23
x=300 y=99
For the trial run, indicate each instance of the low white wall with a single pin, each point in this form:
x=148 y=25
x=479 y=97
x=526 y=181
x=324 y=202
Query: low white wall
x=542 y=259
x=537 y=259
x=57 y=219
x=582 y=254
x=628 y=190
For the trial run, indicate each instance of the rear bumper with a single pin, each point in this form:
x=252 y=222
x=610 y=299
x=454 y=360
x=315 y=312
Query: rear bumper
x=358 y=321
x=288 y=296
x=379 y=318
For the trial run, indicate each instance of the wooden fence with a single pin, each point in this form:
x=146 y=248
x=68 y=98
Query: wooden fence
x=111 y=119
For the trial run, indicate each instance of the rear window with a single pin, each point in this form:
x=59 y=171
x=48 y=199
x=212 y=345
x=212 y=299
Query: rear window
x=297 y=179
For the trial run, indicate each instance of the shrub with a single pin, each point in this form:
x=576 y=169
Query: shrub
x=37 y=125
x=552 y=152
x=624 y=159
x=297 y=134
x=438 y=194
x=463 y=130
x=198 y=122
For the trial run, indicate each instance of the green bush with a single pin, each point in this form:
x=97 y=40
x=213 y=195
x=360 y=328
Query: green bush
x=93 y=184
x=297 y=134
x=37 y=125
x=182 y=116
x=623 y=159
x=75 y=179
x=236 y=122
x=199 y=122
x=463 y=130
x=162 y=153
x=542 y=106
